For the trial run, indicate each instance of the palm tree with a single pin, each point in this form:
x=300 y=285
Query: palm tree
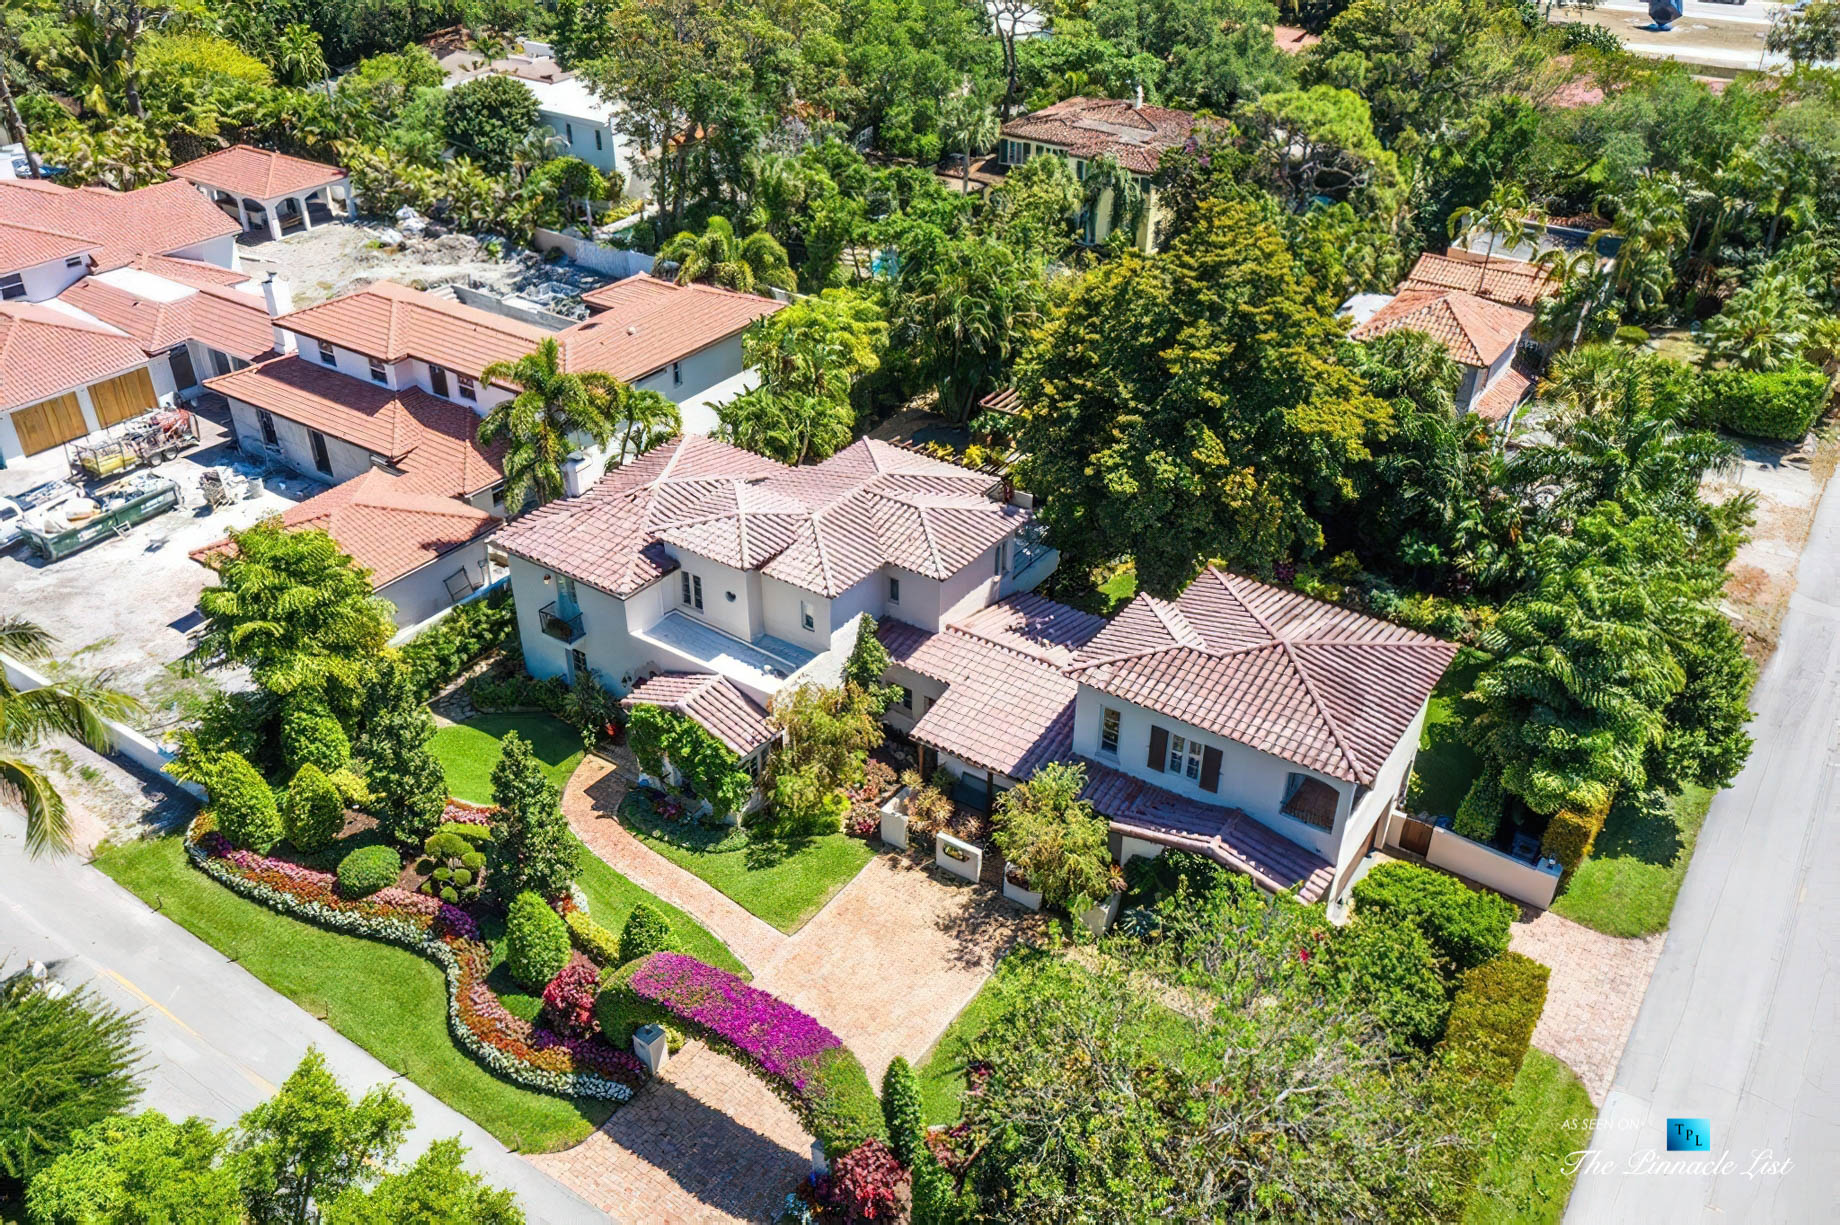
x=539 y=424
x=748 y=265
x=966 y=124
x=643 y=420
x=1505 y=212
x=74 y=708
x=1651 y=220
x=791 y=427
x=1580 y=278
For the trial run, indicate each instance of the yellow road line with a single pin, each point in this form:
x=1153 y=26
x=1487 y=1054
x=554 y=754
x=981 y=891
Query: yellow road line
x=168 y=1013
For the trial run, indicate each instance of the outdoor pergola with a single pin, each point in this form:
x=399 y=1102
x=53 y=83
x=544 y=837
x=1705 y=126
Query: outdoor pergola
x=263 y=189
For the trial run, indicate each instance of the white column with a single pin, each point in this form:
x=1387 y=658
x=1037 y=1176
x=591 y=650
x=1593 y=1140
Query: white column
x=242 y=214
x=90 y=419
x=274 y=222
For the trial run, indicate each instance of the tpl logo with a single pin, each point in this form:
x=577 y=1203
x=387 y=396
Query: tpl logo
x=1689 y=1135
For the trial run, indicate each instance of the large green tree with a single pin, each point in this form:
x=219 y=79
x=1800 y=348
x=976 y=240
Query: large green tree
x=553 y=410
x=536 y=852
x=488 y=117
x=142 y=1167
x=1190 y=405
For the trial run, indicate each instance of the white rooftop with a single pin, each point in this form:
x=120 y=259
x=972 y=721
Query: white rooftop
x=146 y=285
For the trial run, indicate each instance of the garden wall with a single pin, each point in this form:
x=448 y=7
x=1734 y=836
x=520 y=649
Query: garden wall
x=123 y=740
x=614 y=261
x=1486 y=866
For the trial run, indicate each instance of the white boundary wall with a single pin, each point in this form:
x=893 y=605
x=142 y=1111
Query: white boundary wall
x=124 y=741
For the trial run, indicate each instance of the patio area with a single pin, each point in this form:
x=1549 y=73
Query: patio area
x=759 y=667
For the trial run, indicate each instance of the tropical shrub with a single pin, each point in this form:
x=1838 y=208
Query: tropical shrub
x=645 y=933
x=1055 y=839
x=1493 y=1015
x=311 y=735
x=438 y=654
x=864 y=1183
x=536 y=850
x=901 y=1111
x=1781 y=404
x=519 y=691
x=799 y=1058
x=568 y=1000
x=1465 y=926
x=536 y=941
x=1571 y=833
x=243 y=803
x=312 y=813
x=368 y=869
x=601 y=945
x=828 y=733
x=1393 y=969
x=591 y=710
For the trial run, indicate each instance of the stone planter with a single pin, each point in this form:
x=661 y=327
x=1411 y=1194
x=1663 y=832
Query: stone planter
x=1027 y=898
x=958 y=857
x=894 y=820
x=1103 y=915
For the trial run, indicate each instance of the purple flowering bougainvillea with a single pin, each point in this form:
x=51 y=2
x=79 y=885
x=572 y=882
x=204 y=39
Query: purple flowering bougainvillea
x=785 y=1042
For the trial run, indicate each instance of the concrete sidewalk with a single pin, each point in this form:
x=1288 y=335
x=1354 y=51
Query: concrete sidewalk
x=1741 y=1023
x=216 y=1040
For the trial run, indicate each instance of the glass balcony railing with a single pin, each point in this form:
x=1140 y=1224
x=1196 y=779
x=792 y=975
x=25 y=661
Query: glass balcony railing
x=558 y=624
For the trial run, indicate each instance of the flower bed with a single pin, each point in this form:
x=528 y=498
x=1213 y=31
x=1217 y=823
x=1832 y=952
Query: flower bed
x=519 y=1051
x=801 y=1060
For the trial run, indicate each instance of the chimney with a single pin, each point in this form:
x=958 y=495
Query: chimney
x=280 y=300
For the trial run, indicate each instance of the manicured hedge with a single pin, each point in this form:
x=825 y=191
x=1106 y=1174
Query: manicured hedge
x=1493 y=1015
x=1479 y=814
x=601 y=945
x=1465 y=926
x=245 y=807
x=438 y=654
x=1780 y=404
x=368 y=869
x=536 y=941
x=312 y=813
x=1570 y=836
x=798 y=1058
x=645 y=933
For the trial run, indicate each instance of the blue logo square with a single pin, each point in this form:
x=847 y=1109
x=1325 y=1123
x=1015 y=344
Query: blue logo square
x=1689 y=1135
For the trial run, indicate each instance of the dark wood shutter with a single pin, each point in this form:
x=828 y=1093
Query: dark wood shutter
x=1159 y=748
x=1210 y=769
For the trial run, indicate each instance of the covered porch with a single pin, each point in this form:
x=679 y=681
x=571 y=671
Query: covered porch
x=271 y=194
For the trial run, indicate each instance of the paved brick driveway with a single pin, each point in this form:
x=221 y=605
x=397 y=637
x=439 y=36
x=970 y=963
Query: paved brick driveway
x=887 y=965
x=1592 y=998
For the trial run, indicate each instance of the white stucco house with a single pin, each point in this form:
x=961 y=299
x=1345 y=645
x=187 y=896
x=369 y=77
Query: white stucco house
x=566 y=108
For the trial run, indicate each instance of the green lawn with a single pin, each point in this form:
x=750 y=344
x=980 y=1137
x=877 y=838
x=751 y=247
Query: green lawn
x=468 y=751
x=391 y=1002
x=782 y=880
x=942 y=1074
x=1627 y=886
x=1524 y=1181
x=1445 y=766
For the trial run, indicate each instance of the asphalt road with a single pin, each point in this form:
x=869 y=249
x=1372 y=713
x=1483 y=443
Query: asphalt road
x=216 y=1040
x=1741 y=1023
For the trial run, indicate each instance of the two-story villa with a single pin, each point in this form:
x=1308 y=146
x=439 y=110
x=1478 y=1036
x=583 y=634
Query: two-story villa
x=1266 y=730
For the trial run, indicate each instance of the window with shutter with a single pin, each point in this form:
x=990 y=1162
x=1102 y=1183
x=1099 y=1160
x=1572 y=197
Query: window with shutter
x=1159 y=749
x=1210 y=770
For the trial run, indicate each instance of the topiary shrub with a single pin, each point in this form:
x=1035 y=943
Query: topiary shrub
x=311 y=735
x=243 y=803
x=618 y=1011
x=1493 y=1015
x=1570 y=835
x=645 y=933
x=352 y=791
x=368 y=869
x=1479 y=814
x=901 y=1111
x=536 y=941
x=457 y=863
x=601 y=945
x=311 y=812
x=1465 y=926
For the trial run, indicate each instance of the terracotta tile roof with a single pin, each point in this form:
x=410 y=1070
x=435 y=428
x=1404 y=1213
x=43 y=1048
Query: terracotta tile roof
x=1329 y=689
x=391 y=322
x=1092 y=127
x=728 y=714
x=822 y=528
x=1499 y=399
x=195 y=273
x=433 y=442
x=1475 y=330
x=387 y=526
x=1002 y=710
x=260 y=174
x=1225 y=835
x=1507 y=281
x=642 y=324
x=236 y=323
x=161 y=218
x=25 y=246
x=45 y=352
x=1034 y=625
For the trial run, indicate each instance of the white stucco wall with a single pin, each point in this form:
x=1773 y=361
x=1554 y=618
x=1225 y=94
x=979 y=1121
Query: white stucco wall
x=697 y=372
x=740 y=617
x=46 y=281
x=420 y=594
x=220 y=251
x=780 y=614
x=296 y=446
x=606 y=638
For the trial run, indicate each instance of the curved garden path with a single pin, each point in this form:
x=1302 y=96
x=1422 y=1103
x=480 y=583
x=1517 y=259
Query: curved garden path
x=886 y=965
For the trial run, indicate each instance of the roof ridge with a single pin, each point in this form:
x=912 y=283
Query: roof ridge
x=1322 y=709
x=1007 y=649
x=932 y=543
x=1222 y=577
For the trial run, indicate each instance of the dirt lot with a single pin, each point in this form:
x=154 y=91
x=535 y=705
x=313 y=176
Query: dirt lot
x=1787 y=485
x=330 y=260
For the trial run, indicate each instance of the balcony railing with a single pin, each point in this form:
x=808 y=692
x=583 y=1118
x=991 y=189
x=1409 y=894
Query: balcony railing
x=558 y=625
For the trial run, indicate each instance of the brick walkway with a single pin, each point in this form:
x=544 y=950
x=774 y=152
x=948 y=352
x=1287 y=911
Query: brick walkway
x=677 y=1152
x=887 y=965
x=1596 y=988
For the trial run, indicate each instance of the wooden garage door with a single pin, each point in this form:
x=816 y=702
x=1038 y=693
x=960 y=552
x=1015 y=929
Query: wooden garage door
x=125 y=395
x=43 y=426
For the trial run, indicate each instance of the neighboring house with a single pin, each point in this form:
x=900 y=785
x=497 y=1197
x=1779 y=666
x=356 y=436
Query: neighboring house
x=703 y=558
x=424 y=551
x=1084 y=129
x=167 y=218
x=1481 y=311
x=1248 y=723
x=582 y=122
x=268 y=191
